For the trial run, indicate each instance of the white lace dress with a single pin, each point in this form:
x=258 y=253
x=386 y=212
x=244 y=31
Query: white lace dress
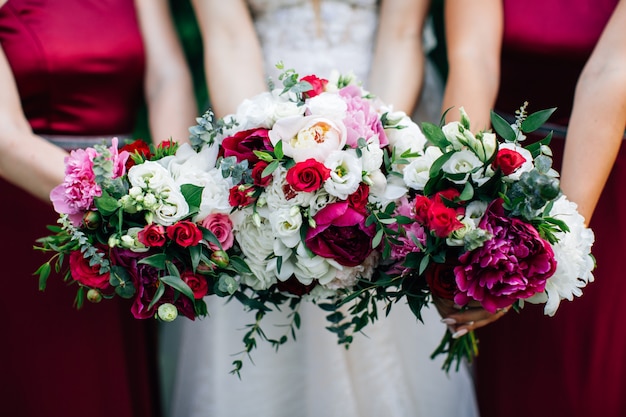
x=386 y=372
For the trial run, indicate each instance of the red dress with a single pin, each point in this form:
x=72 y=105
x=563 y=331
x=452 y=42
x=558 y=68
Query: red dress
x=79 y=67
x=573 y=364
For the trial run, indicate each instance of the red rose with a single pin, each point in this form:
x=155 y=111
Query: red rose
x=222 y=227
x=442 y=220
x=184 y=233
x=421 y=204
x=152 y=235
x=243 y=144
x=441 y=280
x=508 y=161
x=197 y=283
x=358 y=199
x=447 y=197
x=317 y=85
x=307 y=176
x=166 y=144
x=241 y=196
x=87 y=275
x=257 y=179
x=138 y=147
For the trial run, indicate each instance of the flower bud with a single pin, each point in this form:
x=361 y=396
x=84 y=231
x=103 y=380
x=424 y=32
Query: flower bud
x=220 y=258
x=205 y=268
x=92 y=219
x=167 y=312
x=94 y=295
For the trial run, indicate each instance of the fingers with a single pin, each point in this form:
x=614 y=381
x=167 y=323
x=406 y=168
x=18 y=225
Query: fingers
x=461 y=322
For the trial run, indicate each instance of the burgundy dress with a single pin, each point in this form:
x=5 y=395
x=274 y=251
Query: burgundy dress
x=573 y=364
x=79 y=67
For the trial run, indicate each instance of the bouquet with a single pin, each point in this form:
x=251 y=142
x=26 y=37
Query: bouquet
x=141 y=223
x=314 y=168
x=486 y=222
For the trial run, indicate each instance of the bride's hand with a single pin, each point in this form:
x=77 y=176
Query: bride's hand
x=462 y=320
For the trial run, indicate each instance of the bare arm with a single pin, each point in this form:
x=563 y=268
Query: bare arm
x=26 y=160
x=232 y=53
x=474 y=32
x=598 y=118
x=398 y=62
x=169 y=88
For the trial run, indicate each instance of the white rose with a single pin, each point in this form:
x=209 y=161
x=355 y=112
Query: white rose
x=285 y=108
x=257 y=245
x=475 y=211
x=214 y=195
x=408 y=137
x=345 y=173
x=308 y=137
x=416 y=174
x=372 y=156
x=286 y=225
x=171 y=209
x=313 y=267
x=150 y=175
x=257 y=111
x=328 y=105
x=461 y=162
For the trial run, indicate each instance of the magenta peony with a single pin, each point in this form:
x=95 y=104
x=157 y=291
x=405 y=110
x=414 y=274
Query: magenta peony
x=514 y=264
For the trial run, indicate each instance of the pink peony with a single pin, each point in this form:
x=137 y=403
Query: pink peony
x=362 y=120
x=514 y=264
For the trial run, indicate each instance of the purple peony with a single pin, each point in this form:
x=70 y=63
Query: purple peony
x=514 y=264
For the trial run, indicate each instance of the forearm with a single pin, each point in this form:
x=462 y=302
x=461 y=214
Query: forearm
x=398 y=63
x=232 y=53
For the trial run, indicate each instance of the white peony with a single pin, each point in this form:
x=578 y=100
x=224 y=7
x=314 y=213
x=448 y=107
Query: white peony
x=257 y=111
x=308 y=137
x=275 y=198
x=327 y=105
x=312 y=267
x=573 y=256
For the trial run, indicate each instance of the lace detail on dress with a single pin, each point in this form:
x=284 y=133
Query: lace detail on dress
x=343 y=40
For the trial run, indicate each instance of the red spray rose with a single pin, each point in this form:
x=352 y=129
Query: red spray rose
x=197 y=283
x=508 y=161
x=243 y=144
x=358 y=199
x=138 y=147
x=152 y=235
x=318 y=85
x=442 y=220
x=241 y=196
x=257 y=179
x=184 y=233
x=307 y=176
x=87 y=275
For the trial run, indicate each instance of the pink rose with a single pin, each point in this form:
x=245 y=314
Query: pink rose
x=152 y=235
x=184 y=233
x=340 y=234
x=222 y=227
x=198 y=284
x=243 y=144
x=87 y=275
x=307 y=176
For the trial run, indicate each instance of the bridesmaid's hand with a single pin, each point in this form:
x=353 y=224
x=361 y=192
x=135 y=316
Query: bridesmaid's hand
x=462 y=320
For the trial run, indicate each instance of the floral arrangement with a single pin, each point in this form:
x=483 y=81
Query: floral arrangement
x=485 y=224
x=141 y=223
x=314 y=168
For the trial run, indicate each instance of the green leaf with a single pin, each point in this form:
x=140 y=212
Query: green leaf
x=378 y=237
x=535 y=120
x=240 y=265
x=106 y=204
x=502 y=127
x=210 y=237
x=194 y=253
x=44 y=272
x=157 y=260
x=278 y=150
x=192 y=194
x=227 y=284
x=403 y=220
x=467 y=193
x=270 y=168
x=435 y=135
x=157 y=296
x=178 y=284
x=435 y=168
